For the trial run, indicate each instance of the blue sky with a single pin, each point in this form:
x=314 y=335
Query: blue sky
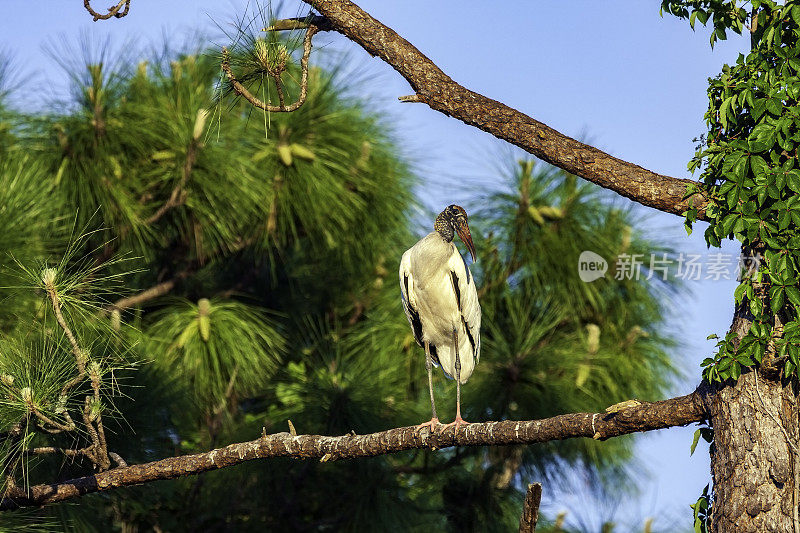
x=612 y=72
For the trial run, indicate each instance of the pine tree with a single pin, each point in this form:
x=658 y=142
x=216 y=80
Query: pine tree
x=272 y=241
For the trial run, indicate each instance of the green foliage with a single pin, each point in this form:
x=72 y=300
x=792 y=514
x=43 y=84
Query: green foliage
x=224 y=349
x=724 y=15
x=707 y=435
x=7 y=116
x=273 y=246
x=553 y=342
x=749 y=173
x=702 y=510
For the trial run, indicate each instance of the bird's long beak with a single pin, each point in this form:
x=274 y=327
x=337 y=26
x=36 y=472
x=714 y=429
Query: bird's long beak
x=463 y=232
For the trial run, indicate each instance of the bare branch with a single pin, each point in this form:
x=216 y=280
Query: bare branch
x=644 y=417
x=49 y=425
x=69 y=452
x=148 y=294
x=530 y=511
x=443 y=94
x=300 y=23
x=116 y=11
x=117 y=458
x=242 y=91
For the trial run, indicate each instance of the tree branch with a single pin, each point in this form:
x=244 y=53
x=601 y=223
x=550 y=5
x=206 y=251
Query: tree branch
x=148 y=294
x=530 y=511
x=242 y=91
x=116 y=11
x=434 y=88
x=644 y=417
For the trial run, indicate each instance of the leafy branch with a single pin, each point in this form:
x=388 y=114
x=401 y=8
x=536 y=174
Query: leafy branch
x=92 y=416
x=751 y=176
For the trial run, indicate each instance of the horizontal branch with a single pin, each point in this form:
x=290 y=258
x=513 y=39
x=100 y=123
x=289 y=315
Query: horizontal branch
x=643 y=417
x=436 y=89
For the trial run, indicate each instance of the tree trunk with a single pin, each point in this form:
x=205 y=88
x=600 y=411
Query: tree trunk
x=754 y=460
x=754 y=469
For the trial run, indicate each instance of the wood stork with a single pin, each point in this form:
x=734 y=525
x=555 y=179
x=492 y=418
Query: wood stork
x=441 y=303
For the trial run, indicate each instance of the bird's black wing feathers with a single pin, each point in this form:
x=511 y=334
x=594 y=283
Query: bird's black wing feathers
x=454 y=276
x=434 y=355
x=469 y=335
x=413 y=315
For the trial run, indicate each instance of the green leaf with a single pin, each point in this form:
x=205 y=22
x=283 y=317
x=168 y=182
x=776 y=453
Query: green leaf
x=795 y=12
x=695 y=440
x=755 y=307
x=774 y=106
x=736 y=370
x=738 y=295
x=776 y=296
x=761 y=138
x=793 y=293
x=728 y=222
x=793 y=180
x=784 y=219
x=758 y=165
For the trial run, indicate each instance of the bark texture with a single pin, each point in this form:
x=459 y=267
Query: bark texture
x=436 y=89
x=644 y=417
x=753 y=465
x=754 y=460
x=530 y=510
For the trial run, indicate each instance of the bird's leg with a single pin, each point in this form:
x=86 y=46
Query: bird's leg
x=458 y=421
x=429 y=364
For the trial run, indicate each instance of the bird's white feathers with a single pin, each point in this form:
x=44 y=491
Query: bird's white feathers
x=439 y=295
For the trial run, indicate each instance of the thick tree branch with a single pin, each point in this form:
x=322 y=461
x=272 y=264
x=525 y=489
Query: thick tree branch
x=434 y=88
x=644 y=417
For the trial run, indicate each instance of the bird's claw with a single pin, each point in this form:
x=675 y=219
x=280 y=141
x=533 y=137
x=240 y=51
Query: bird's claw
x=457 y=422
x=431 y=425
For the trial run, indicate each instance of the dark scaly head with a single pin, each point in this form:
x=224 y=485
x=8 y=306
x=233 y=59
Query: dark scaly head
x=454 y=220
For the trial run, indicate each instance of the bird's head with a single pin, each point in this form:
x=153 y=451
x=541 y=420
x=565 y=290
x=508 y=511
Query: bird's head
x=454 y=219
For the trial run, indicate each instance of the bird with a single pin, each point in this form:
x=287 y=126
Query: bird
x=441 y=303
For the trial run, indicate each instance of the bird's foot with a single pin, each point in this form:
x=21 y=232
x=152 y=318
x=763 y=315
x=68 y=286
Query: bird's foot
x=431 y=425
x=457 y=422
